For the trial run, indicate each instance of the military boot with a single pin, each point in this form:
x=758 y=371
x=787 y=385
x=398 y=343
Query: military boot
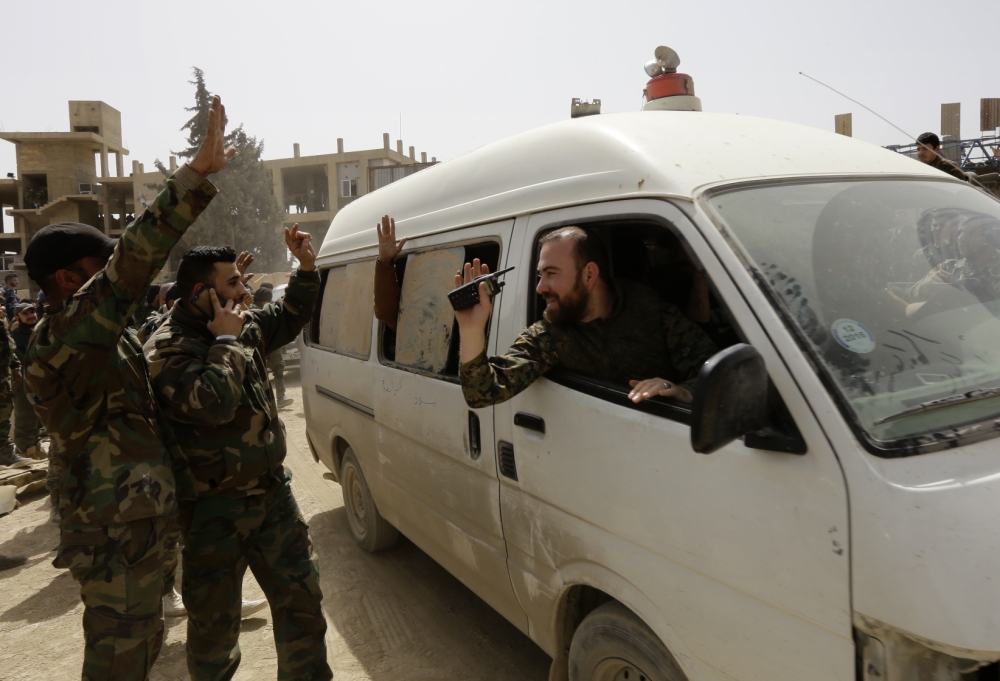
x=11 y=458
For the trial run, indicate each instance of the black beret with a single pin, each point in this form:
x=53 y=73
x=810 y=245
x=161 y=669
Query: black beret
x=58 y=246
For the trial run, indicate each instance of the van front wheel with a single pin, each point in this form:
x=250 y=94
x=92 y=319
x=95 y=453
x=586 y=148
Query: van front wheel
x=371 y=531
x=612 y=644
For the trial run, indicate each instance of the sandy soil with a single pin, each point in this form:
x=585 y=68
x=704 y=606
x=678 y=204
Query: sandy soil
x=394 y=615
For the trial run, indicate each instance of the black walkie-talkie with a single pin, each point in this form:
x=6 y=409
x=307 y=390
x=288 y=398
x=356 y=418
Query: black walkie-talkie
x=467 y=295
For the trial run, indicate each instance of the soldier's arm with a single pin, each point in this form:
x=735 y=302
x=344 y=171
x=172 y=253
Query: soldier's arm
x=386 y=294
x=281 y=322
x=195 y=389
x=689 y=347
x=97 y=314
x=491 y=380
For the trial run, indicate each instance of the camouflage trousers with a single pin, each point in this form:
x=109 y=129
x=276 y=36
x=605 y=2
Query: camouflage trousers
x=265 y=532
x=276 y=363
x=120 y=572
x=26 y=425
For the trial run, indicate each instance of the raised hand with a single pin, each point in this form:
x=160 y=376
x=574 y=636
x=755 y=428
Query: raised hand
x=243 y=261
x=388 y=247
x=300 y=244
x=228 y=319
x=472 y=321
x=212 y=156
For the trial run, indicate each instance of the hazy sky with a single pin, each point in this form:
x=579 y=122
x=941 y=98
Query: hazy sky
x=464 y=74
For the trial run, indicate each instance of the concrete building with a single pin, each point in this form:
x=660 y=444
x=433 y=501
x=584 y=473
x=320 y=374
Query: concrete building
x=311 y=189
x=66 y=177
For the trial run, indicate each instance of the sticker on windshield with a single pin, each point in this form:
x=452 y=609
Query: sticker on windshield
x=853 y=336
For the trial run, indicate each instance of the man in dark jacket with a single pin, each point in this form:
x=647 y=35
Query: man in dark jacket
x=209 y=373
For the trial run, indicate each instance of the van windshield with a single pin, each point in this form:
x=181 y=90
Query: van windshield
x=894 y=286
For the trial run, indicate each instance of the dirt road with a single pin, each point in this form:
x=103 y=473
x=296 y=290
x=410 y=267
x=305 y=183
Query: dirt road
x=393 y=616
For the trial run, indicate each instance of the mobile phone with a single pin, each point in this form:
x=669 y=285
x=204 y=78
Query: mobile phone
x=203 y=302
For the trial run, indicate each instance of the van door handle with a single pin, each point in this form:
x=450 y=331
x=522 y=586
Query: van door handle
x=530 y=422
x=475 y=444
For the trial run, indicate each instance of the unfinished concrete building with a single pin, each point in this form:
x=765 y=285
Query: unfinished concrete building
x=66 y=176
x=311 y=189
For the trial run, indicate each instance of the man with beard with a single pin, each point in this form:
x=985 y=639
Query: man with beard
x=613 y=330
x=26 y=426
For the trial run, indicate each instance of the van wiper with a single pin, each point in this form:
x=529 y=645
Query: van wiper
x=971 y=396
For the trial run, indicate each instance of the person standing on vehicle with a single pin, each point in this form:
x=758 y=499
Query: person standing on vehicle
x=929 y=152
x=207 y=363
x=117 y=492
x=26 y=426
x=612 y=330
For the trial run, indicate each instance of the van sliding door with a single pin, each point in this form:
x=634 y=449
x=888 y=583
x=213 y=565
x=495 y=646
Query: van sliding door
x=437 y=455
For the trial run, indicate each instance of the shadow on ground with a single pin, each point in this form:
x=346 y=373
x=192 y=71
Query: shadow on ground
x=416 y=610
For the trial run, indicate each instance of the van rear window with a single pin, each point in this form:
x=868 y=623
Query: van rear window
x=344 y=320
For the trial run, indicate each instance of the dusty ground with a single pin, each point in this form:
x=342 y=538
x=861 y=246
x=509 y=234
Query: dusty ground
x=395 y=615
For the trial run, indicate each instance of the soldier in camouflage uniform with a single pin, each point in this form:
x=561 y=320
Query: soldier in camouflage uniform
x=89 y=383
x=210 y=376
x=26 y=426
x=10 y=380
x=618 y=331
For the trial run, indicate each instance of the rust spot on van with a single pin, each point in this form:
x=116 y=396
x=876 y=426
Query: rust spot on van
x=641 y=182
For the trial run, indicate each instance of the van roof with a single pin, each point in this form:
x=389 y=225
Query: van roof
x=639 y=154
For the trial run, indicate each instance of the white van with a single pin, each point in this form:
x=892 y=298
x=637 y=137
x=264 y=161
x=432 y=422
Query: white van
x=844 y=524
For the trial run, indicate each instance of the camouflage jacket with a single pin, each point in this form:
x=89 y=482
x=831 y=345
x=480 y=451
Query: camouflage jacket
x=141 y=314
x=152 y=323
x=217 y=395
x=9 y=358
x=946 y=166
x=644 y=337
x=89 y=382
x=21 y=335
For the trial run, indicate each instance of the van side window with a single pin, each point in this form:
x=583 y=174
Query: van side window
x=426 y=337
x=343 y=318
x=651 y=255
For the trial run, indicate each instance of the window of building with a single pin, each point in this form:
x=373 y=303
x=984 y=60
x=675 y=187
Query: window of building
x=426 y=340
x=87 y=128
x=343 y=318
x=349 y=188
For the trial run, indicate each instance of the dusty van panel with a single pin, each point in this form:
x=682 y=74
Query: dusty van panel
x=424 y=309
x=345 y=319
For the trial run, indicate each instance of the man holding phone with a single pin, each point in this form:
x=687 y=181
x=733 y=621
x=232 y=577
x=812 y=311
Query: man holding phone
x=209 y=372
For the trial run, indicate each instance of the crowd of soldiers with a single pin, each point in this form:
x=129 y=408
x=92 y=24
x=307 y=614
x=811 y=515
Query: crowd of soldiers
x=165 y=440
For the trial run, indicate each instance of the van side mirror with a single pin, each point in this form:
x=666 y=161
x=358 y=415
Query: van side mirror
x=730 y=398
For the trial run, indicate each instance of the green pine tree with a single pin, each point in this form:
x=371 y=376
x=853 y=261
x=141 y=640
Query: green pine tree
x=245 y=213
x=197 y=126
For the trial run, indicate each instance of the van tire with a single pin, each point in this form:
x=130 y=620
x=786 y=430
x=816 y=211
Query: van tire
x=612 y=643
x=370 y=530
